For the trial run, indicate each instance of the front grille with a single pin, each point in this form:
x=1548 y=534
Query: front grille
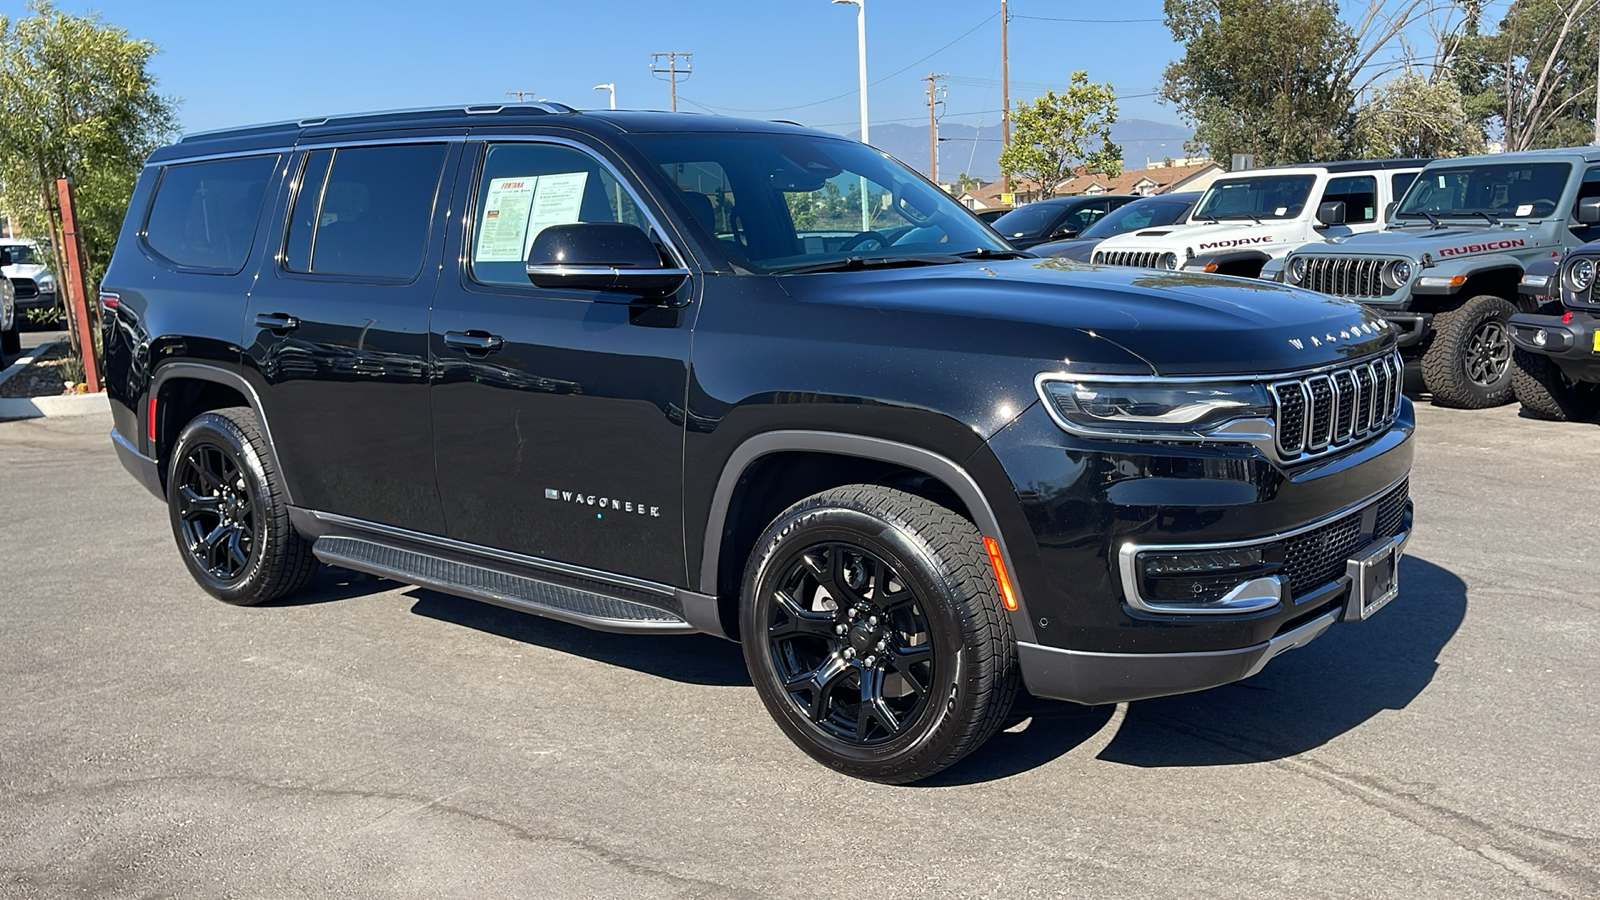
x=1143 y=259
x=1329 y=411
x=25 y=288
x=1346 y=276
x=1317 y=557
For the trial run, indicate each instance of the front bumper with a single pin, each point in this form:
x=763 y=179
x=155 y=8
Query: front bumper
x=1413 y=327
x=42 y=300
x=1572 y=341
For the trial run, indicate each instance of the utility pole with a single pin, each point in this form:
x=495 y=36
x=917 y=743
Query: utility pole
x=1597 y=98
x=861 y=66
x=1005 y=88
x=933 y=127
x=522 y=96
x=672 y=71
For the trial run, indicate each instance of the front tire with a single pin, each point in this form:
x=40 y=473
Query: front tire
x=1546 y=393
x=228 y=511
x=874 y=635
x=1468 y=363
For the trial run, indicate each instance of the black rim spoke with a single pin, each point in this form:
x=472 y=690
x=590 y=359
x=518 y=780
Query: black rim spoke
x=851 y=643
x=216 y=511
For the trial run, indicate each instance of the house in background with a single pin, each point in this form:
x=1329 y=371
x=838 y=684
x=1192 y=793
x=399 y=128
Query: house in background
x=1162 y=178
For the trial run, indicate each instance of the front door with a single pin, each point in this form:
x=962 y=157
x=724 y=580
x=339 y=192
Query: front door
x=337 y=329
x=557 y=414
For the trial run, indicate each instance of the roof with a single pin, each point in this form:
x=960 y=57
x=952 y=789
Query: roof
x=1162 y=177
x=1587 y=154
x=1349 y=165
x=282 y=134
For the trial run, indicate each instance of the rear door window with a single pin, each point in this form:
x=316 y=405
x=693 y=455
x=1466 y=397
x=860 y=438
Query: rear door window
x=1358 y=193
x=204 y=214
x=365 y=211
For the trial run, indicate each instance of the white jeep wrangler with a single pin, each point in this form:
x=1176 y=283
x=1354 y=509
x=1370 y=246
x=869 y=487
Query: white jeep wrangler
x=1250 y=218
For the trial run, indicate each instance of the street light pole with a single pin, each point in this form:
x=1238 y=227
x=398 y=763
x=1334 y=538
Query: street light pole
x=861 y=59
x=608 y=87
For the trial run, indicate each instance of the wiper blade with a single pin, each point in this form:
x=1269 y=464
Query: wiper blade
x=986 y=253
x=858 y=263
x=1432 y=219
x=1491 y=219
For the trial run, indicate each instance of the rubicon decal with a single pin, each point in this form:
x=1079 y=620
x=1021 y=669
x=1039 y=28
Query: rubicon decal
x=1466 y=249
x=1237 y=242
x=599 y=502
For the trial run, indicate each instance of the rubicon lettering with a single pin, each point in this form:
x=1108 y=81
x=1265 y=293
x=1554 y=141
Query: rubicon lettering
x=1237 y=242
x=1483 y=248
x=599 y=502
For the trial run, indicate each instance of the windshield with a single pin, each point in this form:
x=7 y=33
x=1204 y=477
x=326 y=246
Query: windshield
x=782 y=201
x=22 y=255
x=1150 y=212
x=1257 y=197
x=1501 y=190
x=1028 y=221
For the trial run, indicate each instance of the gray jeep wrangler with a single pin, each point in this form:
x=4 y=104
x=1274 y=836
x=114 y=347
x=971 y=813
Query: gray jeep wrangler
x=1445 y=273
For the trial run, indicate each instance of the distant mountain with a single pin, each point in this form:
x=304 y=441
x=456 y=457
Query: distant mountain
x=977 y=151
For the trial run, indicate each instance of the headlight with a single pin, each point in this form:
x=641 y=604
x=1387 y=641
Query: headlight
x=45 y=282
x=1169 y=260
x=1098 y=257
x=1397 y=274
x=1580 y=275
x=1153 y=408
x=1296 y=270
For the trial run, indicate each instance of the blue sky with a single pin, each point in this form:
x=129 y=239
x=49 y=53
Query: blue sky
x=236 y=63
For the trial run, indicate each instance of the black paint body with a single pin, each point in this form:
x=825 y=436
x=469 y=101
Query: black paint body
x=635 y=409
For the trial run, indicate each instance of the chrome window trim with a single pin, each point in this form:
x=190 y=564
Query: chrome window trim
x=1128 y=553
x=488 y=140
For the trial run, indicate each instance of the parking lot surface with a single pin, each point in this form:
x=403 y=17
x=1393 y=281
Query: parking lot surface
x=374 y=740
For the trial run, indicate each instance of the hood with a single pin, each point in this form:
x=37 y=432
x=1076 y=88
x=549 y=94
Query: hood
x=1178 y=323
x=1077 y=249
x=1234 y=234
x=1449 y=242
x=25 y=271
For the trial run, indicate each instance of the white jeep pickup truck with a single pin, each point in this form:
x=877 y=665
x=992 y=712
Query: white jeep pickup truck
x=1251 y=220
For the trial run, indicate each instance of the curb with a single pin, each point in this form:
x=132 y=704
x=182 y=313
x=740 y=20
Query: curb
x=22 y=362
x=53 y=407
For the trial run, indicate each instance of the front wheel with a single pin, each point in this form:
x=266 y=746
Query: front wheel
x=229 y=514
x=874 y=635
x=1547 y=393
x=1468 y=363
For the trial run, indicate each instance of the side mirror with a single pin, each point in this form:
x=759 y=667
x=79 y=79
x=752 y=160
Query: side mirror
x=601 y=256
x=5 y=257
x=1589 y=211
x=1388 y=211
x=1065 y=232
x=1331 y=213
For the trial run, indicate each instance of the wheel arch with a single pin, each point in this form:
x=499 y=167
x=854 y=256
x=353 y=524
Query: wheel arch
x=183 y=390
x=738 y=502
x=1497 y=276
x=1239 y=263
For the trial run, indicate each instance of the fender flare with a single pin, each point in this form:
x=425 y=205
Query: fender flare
x=1199 y=263
x=1469 y=267
x=912 y=457
x=217 y=375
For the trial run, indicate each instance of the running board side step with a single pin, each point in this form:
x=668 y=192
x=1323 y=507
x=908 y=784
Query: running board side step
x=565 y=603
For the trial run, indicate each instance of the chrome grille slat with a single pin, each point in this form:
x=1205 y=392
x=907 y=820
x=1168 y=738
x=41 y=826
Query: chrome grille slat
x=1141 y=259
x=1347 y=276
x=1330 y=411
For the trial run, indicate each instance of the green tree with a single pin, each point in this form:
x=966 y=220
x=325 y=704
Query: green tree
x=965 y=182
x=1532 y=82
x=1410 y=116
x=1265 y=77
x=1057 y=134
x=76 y=99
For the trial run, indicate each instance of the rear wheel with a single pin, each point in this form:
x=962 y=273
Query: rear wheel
x=1468 y=363
x=229 y=514
x=1547 y=393
x=874 y=635
x=11 y=342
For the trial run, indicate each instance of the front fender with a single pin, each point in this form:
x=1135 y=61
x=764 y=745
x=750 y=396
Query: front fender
x=1214 y=262
x=1436 y=279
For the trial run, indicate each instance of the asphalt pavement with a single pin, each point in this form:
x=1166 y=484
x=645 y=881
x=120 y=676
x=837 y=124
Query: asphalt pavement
x=375 y=740
x=32 y=338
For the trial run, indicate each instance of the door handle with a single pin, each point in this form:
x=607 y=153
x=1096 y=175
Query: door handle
x=277 y=323
x=477 y=342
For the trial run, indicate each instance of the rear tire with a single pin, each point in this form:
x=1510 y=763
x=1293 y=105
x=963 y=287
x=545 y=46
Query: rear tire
x=1546 y=393
x=874 y=634
x=11 y=342
x=1468 y=363
x=229 y=514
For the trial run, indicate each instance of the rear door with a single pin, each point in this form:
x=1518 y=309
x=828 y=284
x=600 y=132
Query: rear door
x=337 y=328
x=1359 y=194
x=558 y=414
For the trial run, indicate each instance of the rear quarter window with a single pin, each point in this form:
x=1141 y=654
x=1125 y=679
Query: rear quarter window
x=204 y=214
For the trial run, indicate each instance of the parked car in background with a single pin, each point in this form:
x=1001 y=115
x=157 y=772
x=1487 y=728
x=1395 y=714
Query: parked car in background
x=1556 y=366
x=1446 y=271
x=30 y=275
x=10 y=338
x=1056 y=219
x=1247 y=221
x=990 y=215
x=1139 y=216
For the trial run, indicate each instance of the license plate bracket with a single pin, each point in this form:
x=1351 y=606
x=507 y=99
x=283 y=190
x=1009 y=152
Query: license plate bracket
x=1374 y=579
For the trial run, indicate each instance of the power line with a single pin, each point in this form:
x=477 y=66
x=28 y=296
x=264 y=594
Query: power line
x=1086 y=21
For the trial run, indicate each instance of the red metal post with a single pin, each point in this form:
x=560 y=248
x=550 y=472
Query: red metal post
x=77 y=289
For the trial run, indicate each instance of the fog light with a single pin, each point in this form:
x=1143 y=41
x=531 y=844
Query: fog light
x=1205 y=562
x=1540 y=337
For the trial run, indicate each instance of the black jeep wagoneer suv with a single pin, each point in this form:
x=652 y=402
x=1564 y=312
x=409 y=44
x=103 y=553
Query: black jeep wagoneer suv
x=669 y=373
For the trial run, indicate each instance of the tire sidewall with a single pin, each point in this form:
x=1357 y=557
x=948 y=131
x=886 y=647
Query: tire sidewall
x=222 y=432
x=898 y=545
x=1448 y=354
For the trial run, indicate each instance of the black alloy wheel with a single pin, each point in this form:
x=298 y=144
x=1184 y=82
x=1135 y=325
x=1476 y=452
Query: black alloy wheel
x=216 y=511
x=229 y=512
x=874 y=633
x=1488 y=354
x=851 y=643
